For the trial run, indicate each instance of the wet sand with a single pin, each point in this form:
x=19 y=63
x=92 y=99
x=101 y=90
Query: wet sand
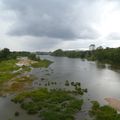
x=114 y=103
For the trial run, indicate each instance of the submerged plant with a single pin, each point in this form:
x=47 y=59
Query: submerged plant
x=67 y=83
x=50 y=105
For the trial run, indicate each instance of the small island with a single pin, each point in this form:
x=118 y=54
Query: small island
x=49 y=105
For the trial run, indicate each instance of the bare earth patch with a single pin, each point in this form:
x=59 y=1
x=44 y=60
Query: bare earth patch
x=14 y=77
x=114 y=103
x=17 y=85
x=24 y=61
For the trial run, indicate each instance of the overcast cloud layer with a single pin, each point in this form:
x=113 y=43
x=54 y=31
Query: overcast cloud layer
x=52 y=24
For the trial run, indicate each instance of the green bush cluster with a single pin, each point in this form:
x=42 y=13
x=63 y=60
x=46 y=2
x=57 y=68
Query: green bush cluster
x=41 y=63
x=50 y=105
x=103 y=112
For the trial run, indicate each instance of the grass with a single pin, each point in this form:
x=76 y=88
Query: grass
x=50 y=105
x=10 y=80
x=9 y=77
x=6 y=69
x=41 y=63
x=8 y=65
x=103 y=112
x=19 y=84
x=26 y=68
x=5 y=76
x=16 y=85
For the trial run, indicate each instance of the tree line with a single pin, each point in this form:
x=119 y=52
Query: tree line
x=6 y=54
x=107 y=55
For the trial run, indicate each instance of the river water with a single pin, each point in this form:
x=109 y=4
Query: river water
x=100 y=80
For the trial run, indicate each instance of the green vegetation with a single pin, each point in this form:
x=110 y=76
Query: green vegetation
x=6 y=54
x=103 y=112
x=107 y=55
x=50 y=105
x=78 y=89
x=67 y=83
x=11 y=75
x=9 y=70
x=41 y=63
x=71 y=54
x=6 y=70
x=18 y=84
x=8 y=65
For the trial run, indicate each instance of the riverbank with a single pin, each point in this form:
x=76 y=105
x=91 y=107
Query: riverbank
x=65 y=74
x=107 y=55
x=114 y=103
x=14 y=75
x=105 y=112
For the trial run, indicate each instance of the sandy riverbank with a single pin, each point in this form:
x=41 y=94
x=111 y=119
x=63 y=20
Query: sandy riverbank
x=114 y=103
x=24 y=61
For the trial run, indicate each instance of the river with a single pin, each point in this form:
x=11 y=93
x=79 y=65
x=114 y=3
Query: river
x=100 y=80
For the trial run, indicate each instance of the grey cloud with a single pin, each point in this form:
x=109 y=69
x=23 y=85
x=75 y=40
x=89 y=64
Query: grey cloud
x=114 y=36
x=40 y=43
x=88 y=33
x=51 y=18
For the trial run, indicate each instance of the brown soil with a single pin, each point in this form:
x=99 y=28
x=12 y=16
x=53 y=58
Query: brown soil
x=114 y=103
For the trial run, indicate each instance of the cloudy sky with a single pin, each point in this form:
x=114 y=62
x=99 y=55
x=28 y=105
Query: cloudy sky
x=47 y=25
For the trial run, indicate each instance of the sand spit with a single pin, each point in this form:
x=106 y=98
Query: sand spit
x=24 y=61
x=114 y=103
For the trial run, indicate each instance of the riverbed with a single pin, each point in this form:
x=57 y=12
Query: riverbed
x=100 y=80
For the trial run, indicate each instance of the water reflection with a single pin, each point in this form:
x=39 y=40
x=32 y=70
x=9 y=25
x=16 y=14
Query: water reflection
x=100 y=65
x=114 y=68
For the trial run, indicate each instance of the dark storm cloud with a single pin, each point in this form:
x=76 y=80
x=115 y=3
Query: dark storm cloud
x=51 y=18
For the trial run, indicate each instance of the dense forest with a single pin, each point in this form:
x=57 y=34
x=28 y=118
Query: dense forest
x=6 y=54
x=107 y=55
